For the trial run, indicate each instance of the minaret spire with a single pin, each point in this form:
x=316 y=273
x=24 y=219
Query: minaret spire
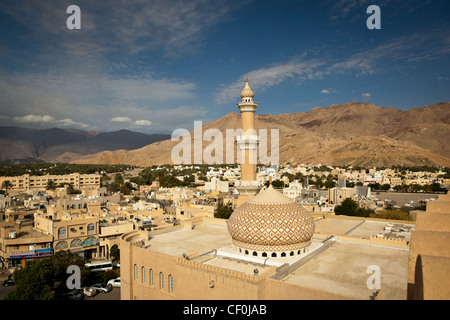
x=248 y=186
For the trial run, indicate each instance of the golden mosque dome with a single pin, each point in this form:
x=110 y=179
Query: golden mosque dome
x=271 y=224
x=247 y=92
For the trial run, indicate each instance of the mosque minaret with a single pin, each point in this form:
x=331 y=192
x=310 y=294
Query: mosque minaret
x=247 y=143
x=264 y=224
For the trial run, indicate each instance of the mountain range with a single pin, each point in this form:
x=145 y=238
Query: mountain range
x=346 y=134
x=64 y=145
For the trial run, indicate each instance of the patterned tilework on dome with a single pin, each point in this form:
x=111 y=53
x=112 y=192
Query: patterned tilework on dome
x=262 y=225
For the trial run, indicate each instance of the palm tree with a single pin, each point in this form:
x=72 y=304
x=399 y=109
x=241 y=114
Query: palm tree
x=7 y=185
x=51 y=185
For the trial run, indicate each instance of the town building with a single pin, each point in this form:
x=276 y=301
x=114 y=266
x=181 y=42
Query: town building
x=27 y=182
x=217 y=185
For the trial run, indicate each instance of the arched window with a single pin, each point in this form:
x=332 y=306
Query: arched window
x=143 y=274
x=61 y=245
x=264 y=254
x=62 y=233
x=170 y=283
x=152 y=283
x=161 y=281
x=136 y=272
x=274 y=255
x=283 y=254
x=76 y=243
x=255 y=253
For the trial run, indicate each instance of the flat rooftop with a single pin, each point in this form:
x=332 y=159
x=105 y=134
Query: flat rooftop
x=339 y=267
x=203 y=238
x=360 y=228
x=342 y=269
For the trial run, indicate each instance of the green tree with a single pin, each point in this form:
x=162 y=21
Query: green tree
x=223 y=211
x=44 y=278
x=51 y=185
x=115 y=252
x=329 y=184
x=7 y=185
x=277 y=184
x=392 y=214
x=118 y=178
x=349 y=207
x=34 y=282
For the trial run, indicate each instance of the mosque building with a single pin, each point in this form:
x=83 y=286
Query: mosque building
x=268 y=223
x=270 y=248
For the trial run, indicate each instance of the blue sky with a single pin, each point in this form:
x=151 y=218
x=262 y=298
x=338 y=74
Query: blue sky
x=155 y=66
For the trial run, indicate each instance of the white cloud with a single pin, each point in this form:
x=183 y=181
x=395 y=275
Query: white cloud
x=263 y=78
x=175 y=26
x=142 y=123
x=71 y=123
x=49 y=120
x=328 y=91
x=121 y=119
x=406 y=49
x=32 y=118
x=366 y=95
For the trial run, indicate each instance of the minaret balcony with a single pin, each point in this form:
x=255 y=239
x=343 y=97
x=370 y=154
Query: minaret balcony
x=247 y=106
x=247 y=142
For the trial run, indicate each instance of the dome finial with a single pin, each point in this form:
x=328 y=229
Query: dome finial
x=247 y=92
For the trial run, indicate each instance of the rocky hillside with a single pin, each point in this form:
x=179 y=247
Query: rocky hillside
x=348 y=134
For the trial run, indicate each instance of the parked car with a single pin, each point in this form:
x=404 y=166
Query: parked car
x=89 y=291
x=8 y=282
x=114 y=282
x=101 y=287
x=73 y=295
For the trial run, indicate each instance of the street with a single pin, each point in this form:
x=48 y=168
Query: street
x=114 y=294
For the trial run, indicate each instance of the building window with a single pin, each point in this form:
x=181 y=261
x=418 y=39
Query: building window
x=143 y=274
x=91 y=228
x=136 y=272
x=62 y=233
x=61 y=245
x=161 y=281
x=170 y=283
x=151 y=278
x=76 y=243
